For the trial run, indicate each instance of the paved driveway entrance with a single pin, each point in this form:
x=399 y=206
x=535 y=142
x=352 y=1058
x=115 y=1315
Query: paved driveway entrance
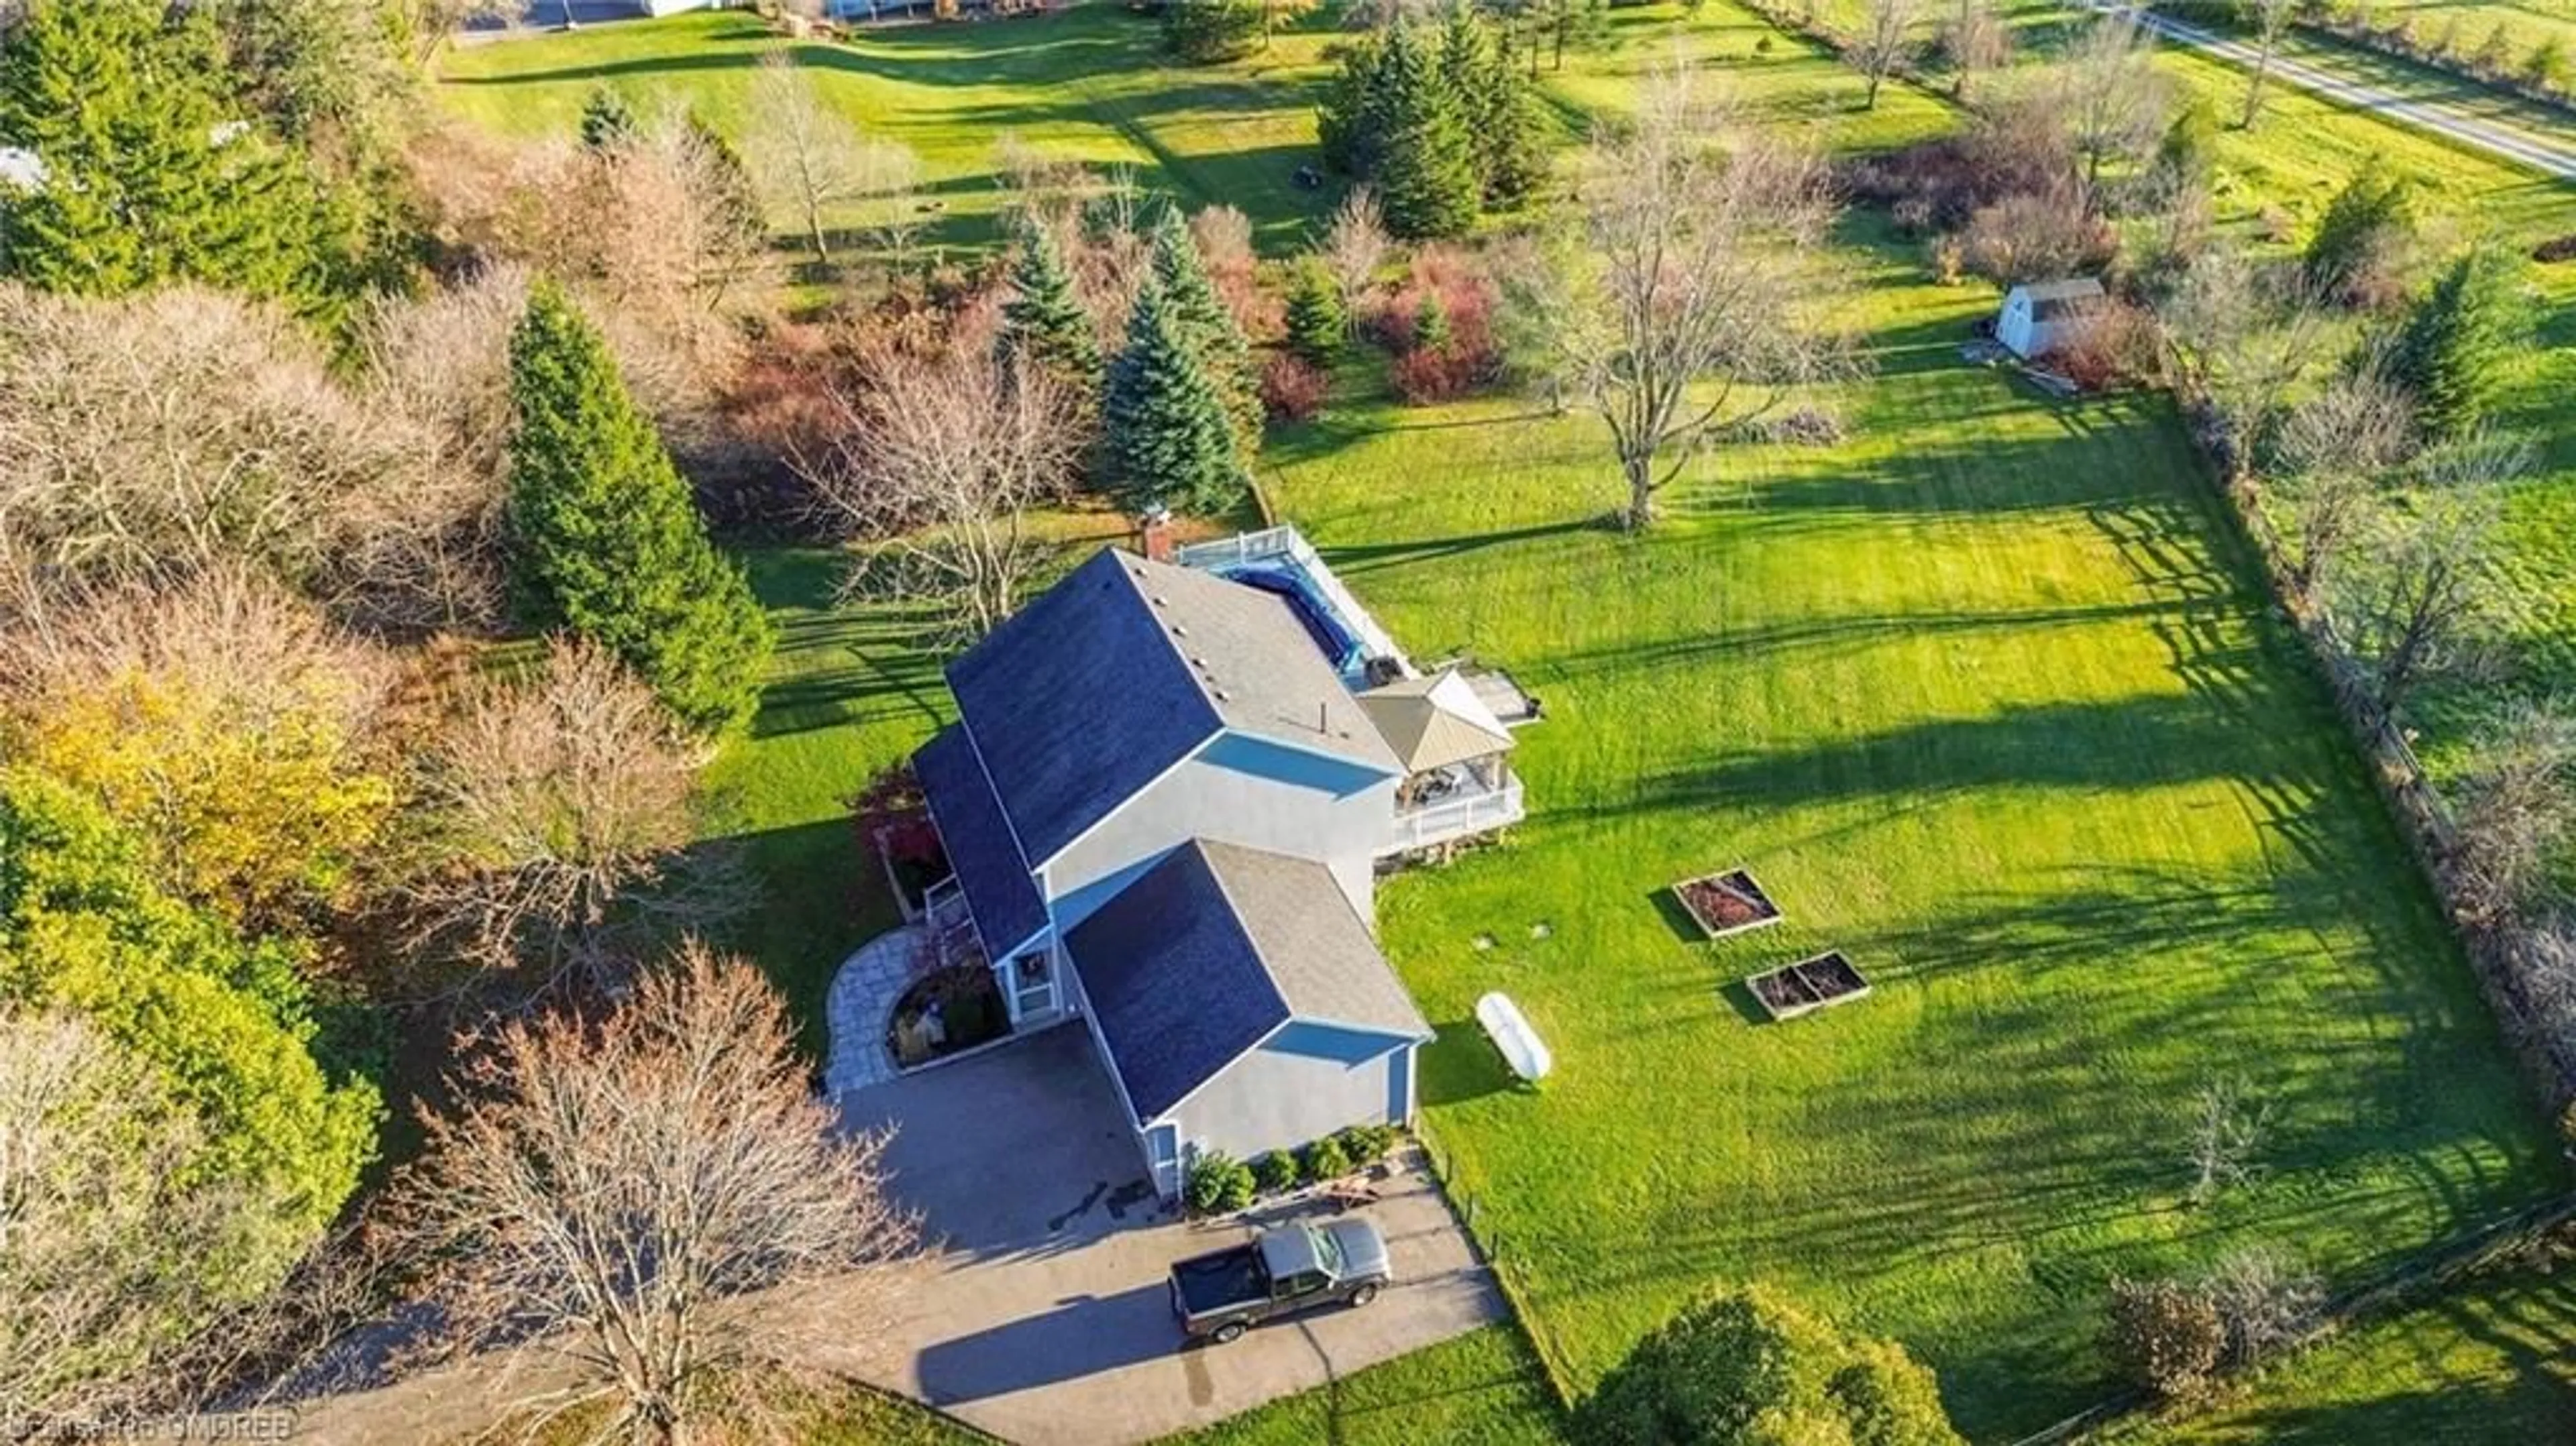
x=1045 y=1320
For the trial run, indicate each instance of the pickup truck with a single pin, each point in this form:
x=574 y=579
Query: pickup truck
x=1220 y=1295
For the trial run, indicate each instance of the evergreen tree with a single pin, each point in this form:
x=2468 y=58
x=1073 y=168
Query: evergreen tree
x=1207 y=327
x=1510 y=131
x=145 y=178
x=607 y=121
x=1426 y=169
x=605 y=538
x=1167 y=436
x=2364 y=222
x=739 y=194
x=1431 y=330
x=1350 y=121
x=1317 y=322
x=1205 y=31
x=2453 y=348
x=1044 y=321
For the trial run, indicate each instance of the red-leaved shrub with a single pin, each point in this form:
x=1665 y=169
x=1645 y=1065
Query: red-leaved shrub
x=1292 y=390
x=2113 y=344
x=1465 y=297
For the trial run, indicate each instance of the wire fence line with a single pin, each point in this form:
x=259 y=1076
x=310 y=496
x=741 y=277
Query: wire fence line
x=1493 y=1246
x=2419 y=1277
x=2499 y=957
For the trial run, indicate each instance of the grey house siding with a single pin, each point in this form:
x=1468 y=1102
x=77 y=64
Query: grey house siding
x=1278 y=1098
x=1205 y=799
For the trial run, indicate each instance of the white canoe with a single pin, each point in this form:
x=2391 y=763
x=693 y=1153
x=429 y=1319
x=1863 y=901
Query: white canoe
x=1512 y=1034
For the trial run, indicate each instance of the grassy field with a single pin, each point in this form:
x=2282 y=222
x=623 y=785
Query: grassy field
x=1481 y=1389
x=2526 y=23
x=1084 y=84
x=2495 y=1362
x=1988 y=698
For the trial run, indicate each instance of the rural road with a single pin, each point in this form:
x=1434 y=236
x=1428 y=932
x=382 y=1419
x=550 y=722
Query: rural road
x=2547 y=158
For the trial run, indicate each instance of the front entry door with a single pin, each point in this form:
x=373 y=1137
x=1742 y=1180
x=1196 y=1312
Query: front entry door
x=1163 y=1155
x=1032 y=985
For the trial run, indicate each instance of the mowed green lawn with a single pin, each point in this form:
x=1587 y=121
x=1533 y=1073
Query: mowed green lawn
x=1085 y=84
x=1987 y=698
x=1480 y=1389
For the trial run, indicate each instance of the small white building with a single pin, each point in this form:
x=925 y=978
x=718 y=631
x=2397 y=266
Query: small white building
x=2040 y=316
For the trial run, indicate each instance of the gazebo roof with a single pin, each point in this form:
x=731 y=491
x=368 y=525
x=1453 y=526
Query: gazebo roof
x=1434 y=721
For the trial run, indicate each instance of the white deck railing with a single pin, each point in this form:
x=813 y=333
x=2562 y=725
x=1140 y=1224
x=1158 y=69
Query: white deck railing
x=1456 y=818
x=1286 y=541
x=951 y=923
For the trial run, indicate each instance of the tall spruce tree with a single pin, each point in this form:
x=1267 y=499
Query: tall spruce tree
x=605 y=539
x=1208 y=327
x=145 y=177
x=1350 y=121
x=2455 y=343
x=1166 y=435
x=735 y=190
x=1510 y=131
x=1044 y=321
x=1317 y=322
x=1426 y=168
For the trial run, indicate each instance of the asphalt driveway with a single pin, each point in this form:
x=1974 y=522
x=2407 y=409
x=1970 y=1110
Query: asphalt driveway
x=1044 y=1317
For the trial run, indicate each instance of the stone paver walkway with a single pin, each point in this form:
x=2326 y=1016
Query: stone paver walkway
x=862 y=1000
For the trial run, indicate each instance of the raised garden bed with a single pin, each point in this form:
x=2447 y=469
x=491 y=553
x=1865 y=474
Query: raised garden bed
x=1727 y=903
x=1809 y=984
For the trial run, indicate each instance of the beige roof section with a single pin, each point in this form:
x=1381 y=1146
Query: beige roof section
x=1434 y=721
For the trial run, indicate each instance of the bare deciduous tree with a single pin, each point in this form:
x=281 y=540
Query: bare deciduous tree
x=1976 y=40
x=555 y=825
x=2241 y=336
x=147 y=439
x=1355 y=246
x=2227 y=1130
x=2271 y=18
x=941 y=453
x=2115 y=100
x=653 y=1202
x=2264 y=1303
x=1689 y=302
x=109 y=1256
x=2409 y=598
x=2332 y=450
x=2515 y=808
x=1885 y=40
x=810 y=159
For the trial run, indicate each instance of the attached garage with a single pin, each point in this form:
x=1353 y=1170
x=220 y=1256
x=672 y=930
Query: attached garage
x=1243 y=1007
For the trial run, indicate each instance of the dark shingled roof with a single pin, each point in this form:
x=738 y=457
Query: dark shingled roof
x=1120 y=671
x=1211 y=949
x=999 y=891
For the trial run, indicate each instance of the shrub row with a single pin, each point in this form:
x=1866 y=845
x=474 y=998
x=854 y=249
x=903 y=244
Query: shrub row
x=1220 y=1184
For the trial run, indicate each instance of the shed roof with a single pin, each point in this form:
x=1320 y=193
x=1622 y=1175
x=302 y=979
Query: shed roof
x=1435 y=721
x=2068 y=289
x=1122 y=670
x=1214 y=947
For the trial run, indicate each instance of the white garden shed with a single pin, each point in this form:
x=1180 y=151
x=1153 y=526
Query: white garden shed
x=2039 y=316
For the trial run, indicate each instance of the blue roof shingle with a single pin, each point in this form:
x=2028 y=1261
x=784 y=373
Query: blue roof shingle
x=1211 y=949
x=981 y=848
x=1076 y=703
